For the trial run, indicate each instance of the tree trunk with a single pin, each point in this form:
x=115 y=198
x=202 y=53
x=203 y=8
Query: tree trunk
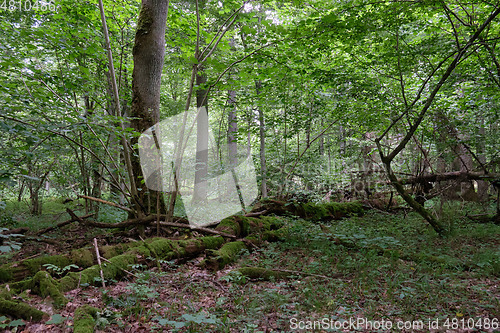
x=201 y=167
x=262 y=135
x=148 y=53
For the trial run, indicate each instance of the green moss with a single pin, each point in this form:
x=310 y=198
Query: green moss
x=212 y=242
x=71 y=281
x=140 y=251
x=84 y=320
x=245 y=224
x=160 y=246
x=118 y=264
x=82 y=257
x=229 y=226
x=34 y=265
x=21 y=310
x=44 y=285
x=315 y=212
x=226 y=254
x=110 y=251
x=5 y=293
x=6 y=274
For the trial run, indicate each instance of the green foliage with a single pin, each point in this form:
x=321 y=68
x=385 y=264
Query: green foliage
x=59 y=271
x=8 y=242
x=56 y=319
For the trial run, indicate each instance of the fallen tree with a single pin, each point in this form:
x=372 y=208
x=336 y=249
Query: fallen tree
x=456 y=175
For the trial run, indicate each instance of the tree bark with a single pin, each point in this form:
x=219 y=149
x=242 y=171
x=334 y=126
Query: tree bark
x=262 y=136
x=148 y=53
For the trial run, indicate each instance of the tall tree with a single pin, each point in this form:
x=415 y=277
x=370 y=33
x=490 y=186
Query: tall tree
x=148 y=54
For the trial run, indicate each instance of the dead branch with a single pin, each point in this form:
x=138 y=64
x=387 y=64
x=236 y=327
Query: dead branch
x=62 y=224
x=21 y=230
x=202 y=229
x=107 y=203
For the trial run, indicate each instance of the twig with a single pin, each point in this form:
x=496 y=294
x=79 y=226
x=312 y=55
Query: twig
x=207 y=230
x=99 y=262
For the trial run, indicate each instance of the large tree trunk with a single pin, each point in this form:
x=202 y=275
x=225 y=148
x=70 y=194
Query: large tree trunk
x=148 y=53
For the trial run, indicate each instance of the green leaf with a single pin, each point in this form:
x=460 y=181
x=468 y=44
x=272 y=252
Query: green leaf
x=17 y=322
x=56 y=319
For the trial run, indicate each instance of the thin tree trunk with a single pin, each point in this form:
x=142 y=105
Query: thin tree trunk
x=201 y=167
x=262 y=136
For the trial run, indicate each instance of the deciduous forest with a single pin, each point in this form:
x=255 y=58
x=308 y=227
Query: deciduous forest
x=249 y=166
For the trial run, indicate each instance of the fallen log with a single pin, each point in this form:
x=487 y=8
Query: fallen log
x=21 y=310
x=308 y=210
x=456 y=175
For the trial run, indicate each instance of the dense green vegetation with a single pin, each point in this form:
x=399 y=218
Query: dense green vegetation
x=350 y=151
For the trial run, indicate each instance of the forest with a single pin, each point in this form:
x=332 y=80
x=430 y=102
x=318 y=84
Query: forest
x=249 y=166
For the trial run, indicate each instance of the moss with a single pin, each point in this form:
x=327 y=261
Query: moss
x=82 y=257
x=226 y=254
x=44 y=285
x=21 y=310
x=229 y=226
x=141 y=251
x=71 y=281
x=245 y=224
x=110 y=251
x=84 y=321
x=274 y=235
x=5 y=274
x=34 y=265
x=315 y=212
x=212 y=242
x=274 y=222
x=253 y=239
x=160 y=246
x=5 y=293
x=115 y=269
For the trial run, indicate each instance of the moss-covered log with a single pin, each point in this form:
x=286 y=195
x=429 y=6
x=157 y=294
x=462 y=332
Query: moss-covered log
x=84 y=320
x=19 y=270
x=21 y=310
x=217 y=259
x=44 y=285
x=320 y=211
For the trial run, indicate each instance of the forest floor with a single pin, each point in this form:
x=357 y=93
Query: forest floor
x=453 y=287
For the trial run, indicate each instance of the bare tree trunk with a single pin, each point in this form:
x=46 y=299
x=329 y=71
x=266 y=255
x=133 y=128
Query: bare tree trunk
x=201 y=167
x=262 y=135
x=232 y=130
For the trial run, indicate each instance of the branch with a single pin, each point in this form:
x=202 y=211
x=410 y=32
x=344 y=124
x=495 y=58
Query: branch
x=109 y=203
